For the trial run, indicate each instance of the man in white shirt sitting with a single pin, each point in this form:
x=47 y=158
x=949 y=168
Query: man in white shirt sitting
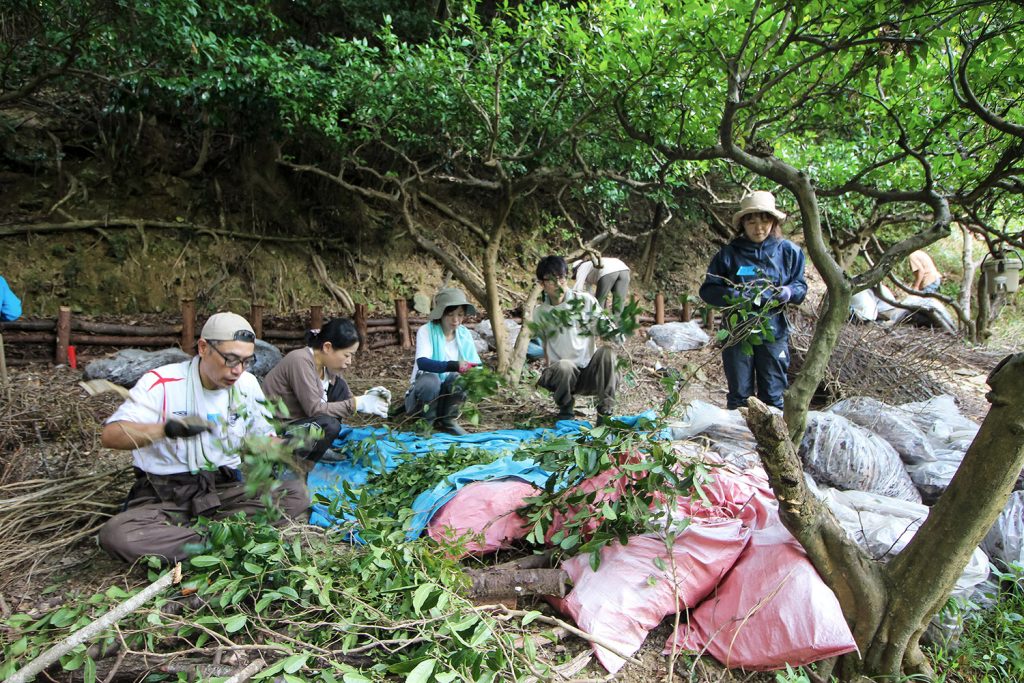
x=566 y=320
x=184 y=423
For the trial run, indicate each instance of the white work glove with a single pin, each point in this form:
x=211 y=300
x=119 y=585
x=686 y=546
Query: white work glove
x=383 y=392
x=374 y=402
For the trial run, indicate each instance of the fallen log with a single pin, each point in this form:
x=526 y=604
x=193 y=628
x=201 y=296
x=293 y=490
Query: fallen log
x=502 y=583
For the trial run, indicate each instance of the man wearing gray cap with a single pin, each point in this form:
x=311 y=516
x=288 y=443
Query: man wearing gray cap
x=184 y=423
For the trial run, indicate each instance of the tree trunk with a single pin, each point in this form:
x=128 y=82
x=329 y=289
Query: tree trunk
x=515 y=371
x=889 y=607
x=969 y=266
x=981 y=320
x=493 y=303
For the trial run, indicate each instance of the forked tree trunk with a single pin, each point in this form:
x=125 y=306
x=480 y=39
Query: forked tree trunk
x=889 y=607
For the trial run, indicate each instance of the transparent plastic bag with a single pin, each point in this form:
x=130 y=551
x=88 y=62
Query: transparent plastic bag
x=675 y=337
x=725 y=430
x=942 y=422
x=1005 y=540
x=838 y=453
x=897 y=428
x=883 y=526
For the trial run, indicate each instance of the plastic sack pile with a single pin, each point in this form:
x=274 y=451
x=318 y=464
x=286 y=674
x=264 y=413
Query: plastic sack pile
x=743 y=588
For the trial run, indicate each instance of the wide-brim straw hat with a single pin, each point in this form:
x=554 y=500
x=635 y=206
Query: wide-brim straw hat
x=450 y=297
x=759 y=201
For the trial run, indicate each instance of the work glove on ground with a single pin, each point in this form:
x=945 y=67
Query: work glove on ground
x=186 y=427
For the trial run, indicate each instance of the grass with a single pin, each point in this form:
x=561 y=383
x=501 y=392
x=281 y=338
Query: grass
x=991 y=648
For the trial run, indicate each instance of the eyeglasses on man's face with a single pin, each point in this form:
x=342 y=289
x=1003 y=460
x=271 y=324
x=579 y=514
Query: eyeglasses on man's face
x=233 y=361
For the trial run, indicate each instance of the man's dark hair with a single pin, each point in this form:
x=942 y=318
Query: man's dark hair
x=552 y=266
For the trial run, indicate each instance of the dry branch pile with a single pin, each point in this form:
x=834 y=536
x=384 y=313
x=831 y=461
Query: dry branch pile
x=894 y=365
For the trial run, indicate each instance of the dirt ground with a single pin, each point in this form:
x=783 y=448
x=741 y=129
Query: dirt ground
x=50 y=432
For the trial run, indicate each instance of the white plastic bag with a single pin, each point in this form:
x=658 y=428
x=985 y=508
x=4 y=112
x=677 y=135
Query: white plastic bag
x=679 y=336
x=1005 y=540
x=838 y=453
x=486 y=332
x=883 y=526
x=864 y=305
x=889 y=423
x=726 y=431
x=942 y=422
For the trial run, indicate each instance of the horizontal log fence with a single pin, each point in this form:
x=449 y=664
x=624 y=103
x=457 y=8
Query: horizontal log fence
x=66 y=331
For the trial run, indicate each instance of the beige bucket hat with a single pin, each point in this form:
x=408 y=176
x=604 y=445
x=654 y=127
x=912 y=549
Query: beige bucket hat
x=450 y=297
x=759 y=201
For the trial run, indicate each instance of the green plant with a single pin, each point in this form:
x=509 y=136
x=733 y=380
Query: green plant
x=991 y=647
x=316 y=609
x=639 y=477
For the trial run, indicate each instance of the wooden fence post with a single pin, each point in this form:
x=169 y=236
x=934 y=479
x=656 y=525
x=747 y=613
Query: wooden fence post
x=659 y=309
x=63 y=335
x=188 y=326
x=687 y=313
x=402 y=323
x=316 y=317
x=361 y=328
x=256 y=319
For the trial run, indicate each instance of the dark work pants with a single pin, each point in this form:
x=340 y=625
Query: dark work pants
x=436 y=400
x=618 y=285
x=766 y=369
x=331 y=426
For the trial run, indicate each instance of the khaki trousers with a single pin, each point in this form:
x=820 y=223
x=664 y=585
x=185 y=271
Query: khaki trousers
x=567 y=381
x=159 y=519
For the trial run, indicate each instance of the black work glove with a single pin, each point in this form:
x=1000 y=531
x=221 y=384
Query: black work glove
x=187 y=427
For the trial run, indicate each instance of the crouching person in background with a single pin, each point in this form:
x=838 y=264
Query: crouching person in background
x=184 y=424
x=566 y=321
x=308 y=382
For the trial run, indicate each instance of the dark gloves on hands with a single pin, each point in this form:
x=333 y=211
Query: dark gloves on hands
x=186 y=427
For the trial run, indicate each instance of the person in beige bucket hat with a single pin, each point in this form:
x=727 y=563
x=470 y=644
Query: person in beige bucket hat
x=758 y=201
x=756 y=275
x=444 y=351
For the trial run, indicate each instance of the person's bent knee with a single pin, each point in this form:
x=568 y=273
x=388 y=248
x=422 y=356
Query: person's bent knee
x=331 y=426
x=294 y=501
x=606 y=355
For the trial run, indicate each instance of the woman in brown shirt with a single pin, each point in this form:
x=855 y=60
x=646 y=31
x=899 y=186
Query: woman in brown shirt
x=309 y=386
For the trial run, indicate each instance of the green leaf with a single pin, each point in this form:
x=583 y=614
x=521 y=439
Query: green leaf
x=355 y=677
x=293 y=663
x=235 y=623
x=204 y=561
x=530 y=617
x=422 y=672
x=608 y=512
x=89 y=672
x=420 y=596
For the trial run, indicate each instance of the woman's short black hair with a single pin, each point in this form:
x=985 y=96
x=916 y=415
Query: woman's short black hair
x=449 y=309
x=552 y=266
x=341 y=332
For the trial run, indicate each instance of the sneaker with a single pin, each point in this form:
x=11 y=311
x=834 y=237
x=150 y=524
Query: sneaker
x=449 y=426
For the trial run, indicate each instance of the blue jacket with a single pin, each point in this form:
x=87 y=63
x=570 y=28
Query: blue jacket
x=10 y=305
x=735 y=270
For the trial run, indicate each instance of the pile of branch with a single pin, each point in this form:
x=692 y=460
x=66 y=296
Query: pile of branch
x=41 y=517
x=895 y=365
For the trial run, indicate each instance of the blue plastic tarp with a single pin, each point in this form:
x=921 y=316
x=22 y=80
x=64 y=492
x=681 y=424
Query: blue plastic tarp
x=371 y=451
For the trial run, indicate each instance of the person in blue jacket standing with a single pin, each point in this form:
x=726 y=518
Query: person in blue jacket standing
x=10 y=305
x=764 y=270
